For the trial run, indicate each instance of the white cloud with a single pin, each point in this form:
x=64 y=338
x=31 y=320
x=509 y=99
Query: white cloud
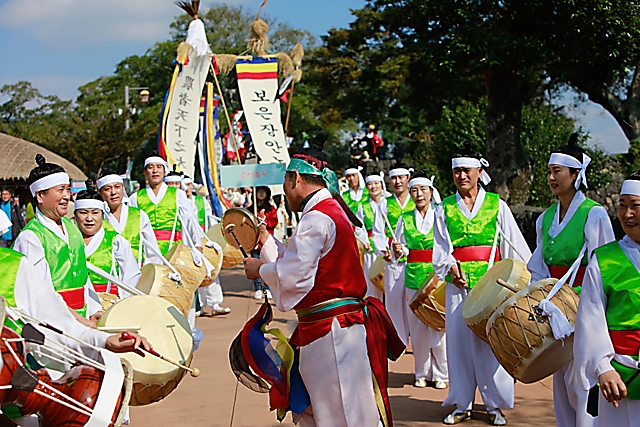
x=82 y=22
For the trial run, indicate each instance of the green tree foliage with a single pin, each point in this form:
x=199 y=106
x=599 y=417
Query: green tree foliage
x=543 y=130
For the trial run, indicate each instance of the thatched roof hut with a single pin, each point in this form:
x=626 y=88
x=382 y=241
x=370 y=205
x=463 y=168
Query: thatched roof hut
x=18 y=157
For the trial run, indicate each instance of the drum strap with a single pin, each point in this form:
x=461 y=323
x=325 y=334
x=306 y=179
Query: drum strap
x=557 y=320
x=110 y=390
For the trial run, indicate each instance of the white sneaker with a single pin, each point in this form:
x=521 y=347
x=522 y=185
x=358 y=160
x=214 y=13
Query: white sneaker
x=420 y=383
x=498 y=419
x=258 y=295
x=440 y=385
x=269 y=296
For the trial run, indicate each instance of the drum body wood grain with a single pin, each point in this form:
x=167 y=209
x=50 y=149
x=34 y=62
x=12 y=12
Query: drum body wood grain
x=215 y=258
x=191 y=275
x=521 y=338
x=487 y=295
x=167 y=329
x=425 y=305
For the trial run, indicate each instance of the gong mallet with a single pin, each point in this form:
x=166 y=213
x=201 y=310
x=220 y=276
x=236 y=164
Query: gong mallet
x=230 y=229
x=195 y=372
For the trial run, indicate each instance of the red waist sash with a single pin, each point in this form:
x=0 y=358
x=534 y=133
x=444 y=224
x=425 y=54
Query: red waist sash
x=103 y=288
x=420 y=255
x=625 y=342
x=166 y=235
x=73 y=297
x=370 y=233
x=474 y=253
x=557 y=271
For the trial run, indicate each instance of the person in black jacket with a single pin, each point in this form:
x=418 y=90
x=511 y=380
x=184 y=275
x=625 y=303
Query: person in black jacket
x=13 y=212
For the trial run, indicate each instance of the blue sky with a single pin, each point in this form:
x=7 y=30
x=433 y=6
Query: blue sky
x=59 y=45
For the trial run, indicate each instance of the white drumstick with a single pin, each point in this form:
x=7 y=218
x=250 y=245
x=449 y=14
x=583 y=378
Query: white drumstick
x=159 y=255
x=386 y=220
x=120 y=283
x=115 y=329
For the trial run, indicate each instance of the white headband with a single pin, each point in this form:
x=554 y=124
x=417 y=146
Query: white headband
x=472 y=162
x=173 y=178
x=630 y=187
x=435 y=195
x=400 y=171
x=159 y=160
x=88 y=204
x=562 y=159
x=108 y=179
x=377 y=178
x=351 y=171
x=49 y=181
x=187 y=180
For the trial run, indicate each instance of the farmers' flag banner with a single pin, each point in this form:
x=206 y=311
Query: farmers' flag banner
x=258 y=84
x=180 y=114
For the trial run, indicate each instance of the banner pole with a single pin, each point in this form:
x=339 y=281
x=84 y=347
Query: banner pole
x=226 y=112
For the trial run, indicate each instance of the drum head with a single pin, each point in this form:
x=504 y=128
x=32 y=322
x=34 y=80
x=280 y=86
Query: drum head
x=215 y=233
x=167 y=329
x=377 y=267
x=244 y=227
x=486 y=296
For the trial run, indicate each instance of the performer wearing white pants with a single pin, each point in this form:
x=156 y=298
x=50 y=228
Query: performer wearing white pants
x=414 y=240
x=390 y=211
x=319 y=276
x=561 y=232
x=606 y=340
x=465 y=229
x=366 y=213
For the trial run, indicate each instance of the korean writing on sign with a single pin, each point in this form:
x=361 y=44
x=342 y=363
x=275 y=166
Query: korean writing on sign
x=268 y=127
x=253 y=175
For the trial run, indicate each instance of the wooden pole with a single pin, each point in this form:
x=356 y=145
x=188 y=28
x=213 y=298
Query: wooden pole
x=226 y=112
x=286 y=126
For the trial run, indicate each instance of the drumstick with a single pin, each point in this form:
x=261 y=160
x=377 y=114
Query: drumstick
x=159 y=255
x=120 y=283
x=229 y=229
x=114 y=329
x=506 y=285
x=386 y=220
x=195 y=372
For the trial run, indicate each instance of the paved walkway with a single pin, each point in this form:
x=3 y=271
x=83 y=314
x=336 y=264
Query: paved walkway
x=215 y=399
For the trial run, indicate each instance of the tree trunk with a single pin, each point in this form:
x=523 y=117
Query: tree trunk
x=625 y=111
x=510 y=171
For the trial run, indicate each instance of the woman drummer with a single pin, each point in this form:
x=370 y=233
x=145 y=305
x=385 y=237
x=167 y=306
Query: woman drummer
x=414 y=240
x=562 y=230
x=607 y=335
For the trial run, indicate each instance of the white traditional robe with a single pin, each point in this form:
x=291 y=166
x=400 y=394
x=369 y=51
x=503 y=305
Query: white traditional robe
x=128 y=269
x=592 y=348
x=334 y=368
x=471 y=361
x=146 y=231
x=29 y=244
x=211 y=296
x=187 y=217
x=428 y=345
x=369 y=257
x=569 y=399
x=394 y=290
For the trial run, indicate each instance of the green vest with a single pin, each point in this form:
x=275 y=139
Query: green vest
x=394 y=212
x=131 y=231
x=416 y=272
x=67 y=263
x=351 y=202
x=202 y=212
x=479 y=231
x=162 y=215
x=10 y=261
x=620 y=285
x=103 y=258
x=369 y=216
x=563 y=249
